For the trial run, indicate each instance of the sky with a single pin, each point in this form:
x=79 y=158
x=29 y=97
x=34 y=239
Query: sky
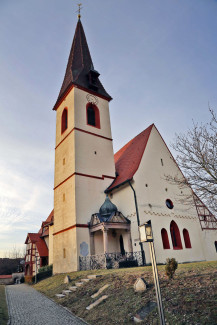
x=157 y=59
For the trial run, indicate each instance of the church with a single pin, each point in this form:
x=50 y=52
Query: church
x=101 y=198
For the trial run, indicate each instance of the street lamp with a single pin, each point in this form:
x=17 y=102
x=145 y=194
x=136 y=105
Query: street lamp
x=35 y=269
x=146 y=235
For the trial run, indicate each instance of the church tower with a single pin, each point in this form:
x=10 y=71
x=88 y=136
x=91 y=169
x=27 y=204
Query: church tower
x=84 y=158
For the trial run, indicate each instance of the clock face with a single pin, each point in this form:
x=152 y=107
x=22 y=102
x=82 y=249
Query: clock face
x=92 y=99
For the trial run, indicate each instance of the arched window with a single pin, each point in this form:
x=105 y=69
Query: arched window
x=165 y=239
x=175 y=235
x=186 y=238
x=93 y=116
x=64 y=120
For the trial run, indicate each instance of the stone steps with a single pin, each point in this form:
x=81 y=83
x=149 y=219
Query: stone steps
x=97 y=302
x=80 y=284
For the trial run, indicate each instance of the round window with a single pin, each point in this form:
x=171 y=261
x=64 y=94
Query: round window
x=169 y=204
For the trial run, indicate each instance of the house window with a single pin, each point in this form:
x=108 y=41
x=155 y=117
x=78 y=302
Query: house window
x=93 y=116
x=64 y=121
x=64 y=253
x=175 y=235
x=215 y=245
x=165 y=239
x=186 y=238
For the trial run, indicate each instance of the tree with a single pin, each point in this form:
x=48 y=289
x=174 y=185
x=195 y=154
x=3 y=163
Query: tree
x=197 y=158
x=15 y=252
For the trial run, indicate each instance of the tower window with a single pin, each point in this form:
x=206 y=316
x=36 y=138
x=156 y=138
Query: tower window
x=186 y=238
x=215 y=245
x=175 y=235
x=64 y=121
x=93 y=116
x=165 y=239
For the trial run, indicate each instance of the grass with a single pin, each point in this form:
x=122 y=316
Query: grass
x=3 y=306
x=190 y=298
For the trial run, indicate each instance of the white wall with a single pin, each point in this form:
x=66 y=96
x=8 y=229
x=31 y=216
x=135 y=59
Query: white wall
x=152 y=190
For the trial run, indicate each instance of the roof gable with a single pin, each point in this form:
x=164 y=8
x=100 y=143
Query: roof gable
x=128 y=158
x=40 y=243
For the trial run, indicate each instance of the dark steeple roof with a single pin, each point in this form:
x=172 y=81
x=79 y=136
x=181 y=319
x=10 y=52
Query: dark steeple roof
x=80 y=70
x=107 y=208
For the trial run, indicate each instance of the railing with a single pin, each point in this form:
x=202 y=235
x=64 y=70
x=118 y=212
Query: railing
x=110 y=261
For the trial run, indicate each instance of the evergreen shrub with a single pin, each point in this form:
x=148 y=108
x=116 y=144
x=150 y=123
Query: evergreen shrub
x=171 y=266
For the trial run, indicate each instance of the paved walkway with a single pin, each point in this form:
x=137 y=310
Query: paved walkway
x=26 y=306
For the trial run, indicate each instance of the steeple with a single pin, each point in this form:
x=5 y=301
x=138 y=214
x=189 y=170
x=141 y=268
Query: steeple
x=80 y=70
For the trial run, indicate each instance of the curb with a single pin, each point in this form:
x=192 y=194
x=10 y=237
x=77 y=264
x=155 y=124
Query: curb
x=9 y=316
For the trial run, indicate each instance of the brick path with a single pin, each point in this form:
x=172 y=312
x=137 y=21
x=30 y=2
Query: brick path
x=26 y=306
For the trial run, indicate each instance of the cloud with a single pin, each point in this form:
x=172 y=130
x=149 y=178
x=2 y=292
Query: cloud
x=26 y=195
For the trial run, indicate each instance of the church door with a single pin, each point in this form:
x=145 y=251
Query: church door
x=122 y=245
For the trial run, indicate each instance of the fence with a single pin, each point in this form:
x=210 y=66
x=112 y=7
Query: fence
x=110 y=261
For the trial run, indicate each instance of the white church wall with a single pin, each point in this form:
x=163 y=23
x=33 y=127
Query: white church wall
x=90 y=191
x=98 y=243
x=68 y=103
x=94 y=155
x=124 y=200
x=113 y=241
x=209 y=239
x=50 y=255
x=153 y=190
x=65 y=252
x=64 y=152
x=64 y=205
x=83 y=242
x=80 y=102
x=46 y=239
x=65 y=159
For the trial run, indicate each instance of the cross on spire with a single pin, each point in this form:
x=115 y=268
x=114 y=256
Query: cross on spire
x=79 y=10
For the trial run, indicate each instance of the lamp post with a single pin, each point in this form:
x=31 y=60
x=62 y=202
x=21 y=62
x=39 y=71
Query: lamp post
x=35 y=269
x=146 y=235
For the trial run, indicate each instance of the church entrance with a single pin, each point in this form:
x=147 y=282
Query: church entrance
x=122 y=245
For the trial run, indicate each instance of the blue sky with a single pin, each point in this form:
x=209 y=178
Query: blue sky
x=157 y=59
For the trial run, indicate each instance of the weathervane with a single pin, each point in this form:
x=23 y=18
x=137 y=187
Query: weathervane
x=79 y=10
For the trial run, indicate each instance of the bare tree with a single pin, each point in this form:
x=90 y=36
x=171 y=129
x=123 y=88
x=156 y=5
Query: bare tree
x=15 y=253
x=197 y=158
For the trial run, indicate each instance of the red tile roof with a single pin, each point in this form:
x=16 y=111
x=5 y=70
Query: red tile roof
x=128 y=158
x=40 y=243
x=33 y=237
x=49 y=219
x=5 y=276
x=45 y=233
x=78 y=67
x=42 y=247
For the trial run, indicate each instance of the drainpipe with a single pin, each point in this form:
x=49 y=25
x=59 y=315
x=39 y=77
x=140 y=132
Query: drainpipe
x=138 y=222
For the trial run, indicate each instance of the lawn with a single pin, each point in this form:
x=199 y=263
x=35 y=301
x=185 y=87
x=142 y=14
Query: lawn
x=190 y=298
x=3 y=306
